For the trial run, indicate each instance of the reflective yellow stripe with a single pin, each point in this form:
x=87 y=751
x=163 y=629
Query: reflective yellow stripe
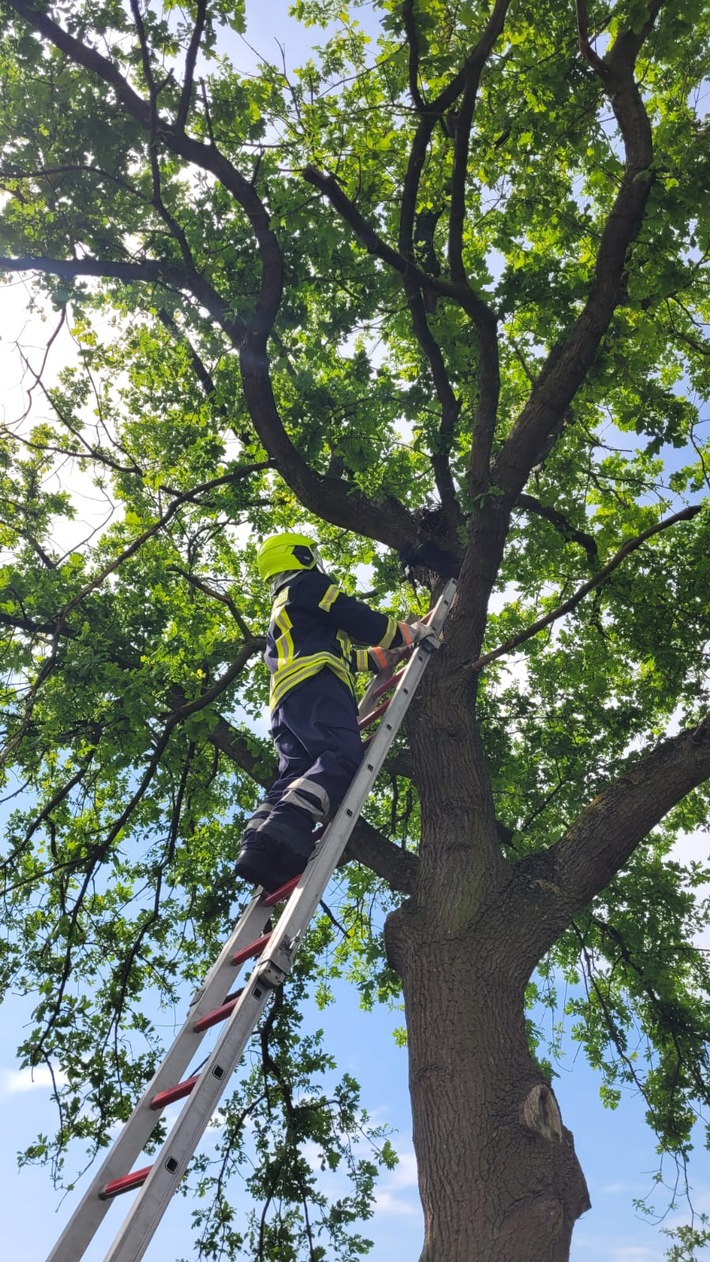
x=330 y=596
x=362 y=659
x=284 y=643
x=286 y=678
x=346 y=645
x=389 y=635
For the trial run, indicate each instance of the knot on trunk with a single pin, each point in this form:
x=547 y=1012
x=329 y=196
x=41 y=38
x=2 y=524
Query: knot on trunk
x=541 y=1113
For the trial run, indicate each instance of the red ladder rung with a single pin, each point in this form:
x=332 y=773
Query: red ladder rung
x=282 y=892
x=392 y=680
x=387 y=685
x=375 y=714
x=178 y=1092
x=218 y=1014
x=254 y=948
x=125 y=1184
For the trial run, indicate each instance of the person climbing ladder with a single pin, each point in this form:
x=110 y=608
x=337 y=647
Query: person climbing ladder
x=312 y=662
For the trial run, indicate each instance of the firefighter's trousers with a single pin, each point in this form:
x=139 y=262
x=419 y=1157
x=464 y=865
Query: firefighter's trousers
x=318 y=742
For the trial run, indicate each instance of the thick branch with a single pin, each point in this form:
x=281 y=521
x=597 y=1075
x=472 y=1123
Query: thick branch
x=375 y=245
x=190 y=63
x=588 y=52
x=569 y=532
x=417 y=281
x=410 y=30
x=466 y=82
x=399 y=868
x=147 y=271
x=450 y=408
x=433 y=111
x=183 y=708
x=330 y=498
x=567 y=365
x=202 y=372
x=32 y=627
x=334 y=500
x=593 y=850
x=568 y=605
x=368 y=846
x=205 y=156
x=473 y=70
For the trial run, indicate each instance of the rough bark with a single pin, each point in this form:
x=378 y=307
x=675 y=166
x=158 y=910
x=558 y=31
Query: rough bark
x=499 y=1178
x=498 y=1175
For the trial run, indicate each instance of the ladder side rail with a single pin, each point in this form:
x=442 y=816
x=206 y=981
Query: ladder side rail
x=147 y=1211
x=383 y=679
x=275 y=962
x=139 y=1226
x=137 y=1231
x=148 y=1208
x=90 y=1212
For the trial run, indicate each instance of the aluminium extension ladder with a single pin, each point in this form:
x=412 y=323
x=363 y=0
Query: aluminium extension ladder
x=217 y=1002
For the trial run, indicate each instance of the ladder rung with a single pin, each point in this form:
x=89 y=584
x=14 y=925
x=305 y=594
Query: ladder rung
x=374 y=714
x=217 y=1014
x=254 y=948
x=243 y=1006
x=282 y=892
x=178 y=1092
x=387 y=685
x=126 y=1183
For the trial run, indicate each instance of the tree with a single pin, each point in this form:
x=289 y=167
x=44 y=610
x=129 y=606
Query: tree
x=443 y=298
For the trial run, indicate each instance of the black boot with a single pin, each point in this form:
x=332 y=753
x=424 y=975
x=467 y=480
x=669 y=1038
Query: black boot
x=258 y=863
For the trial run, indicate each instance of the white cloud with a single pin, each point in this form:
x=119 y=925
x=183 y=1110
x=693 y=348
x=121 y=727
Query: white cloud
x=700 y=1200
x=387 y=1203
x=689 y=847
x=15 y=1081
x=404 y=1174
x=623 y=1250
x=634 y=1253
x=398 y=1193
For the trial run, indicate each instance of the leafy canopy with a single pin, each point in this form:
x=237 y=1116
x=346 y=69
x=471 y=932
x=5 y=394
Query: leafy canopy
x=132 y=692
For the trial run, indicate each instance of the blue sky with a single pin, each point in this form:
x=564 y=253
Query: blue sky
x=615 y=1148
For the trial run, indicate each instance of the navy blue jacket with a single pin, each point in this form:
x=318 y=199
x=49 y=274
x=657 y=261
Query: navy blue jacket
x=313 y=626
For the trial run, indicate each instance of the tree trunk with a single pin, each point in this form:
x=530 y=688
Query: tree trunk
x=498 y=1175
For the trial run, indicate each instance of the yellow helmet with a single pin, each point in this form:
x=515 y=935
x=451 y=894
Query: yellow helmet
x=284 y=552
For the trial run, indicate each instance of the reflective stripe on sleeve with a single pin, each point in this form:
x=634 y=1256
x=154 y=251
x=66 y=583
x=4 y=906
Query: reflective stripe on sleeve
x=378 y=658
x=284 y=643
x=390 y=633
x=329 y=599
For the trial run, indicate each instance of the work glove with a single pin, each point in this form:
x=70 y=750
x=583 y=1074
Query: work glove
x=412 y=633
x=419 y=631
x=386 y=659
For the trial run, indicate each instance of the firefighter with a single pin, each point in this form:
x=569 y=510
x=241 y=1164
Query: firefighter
x=310 y=655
